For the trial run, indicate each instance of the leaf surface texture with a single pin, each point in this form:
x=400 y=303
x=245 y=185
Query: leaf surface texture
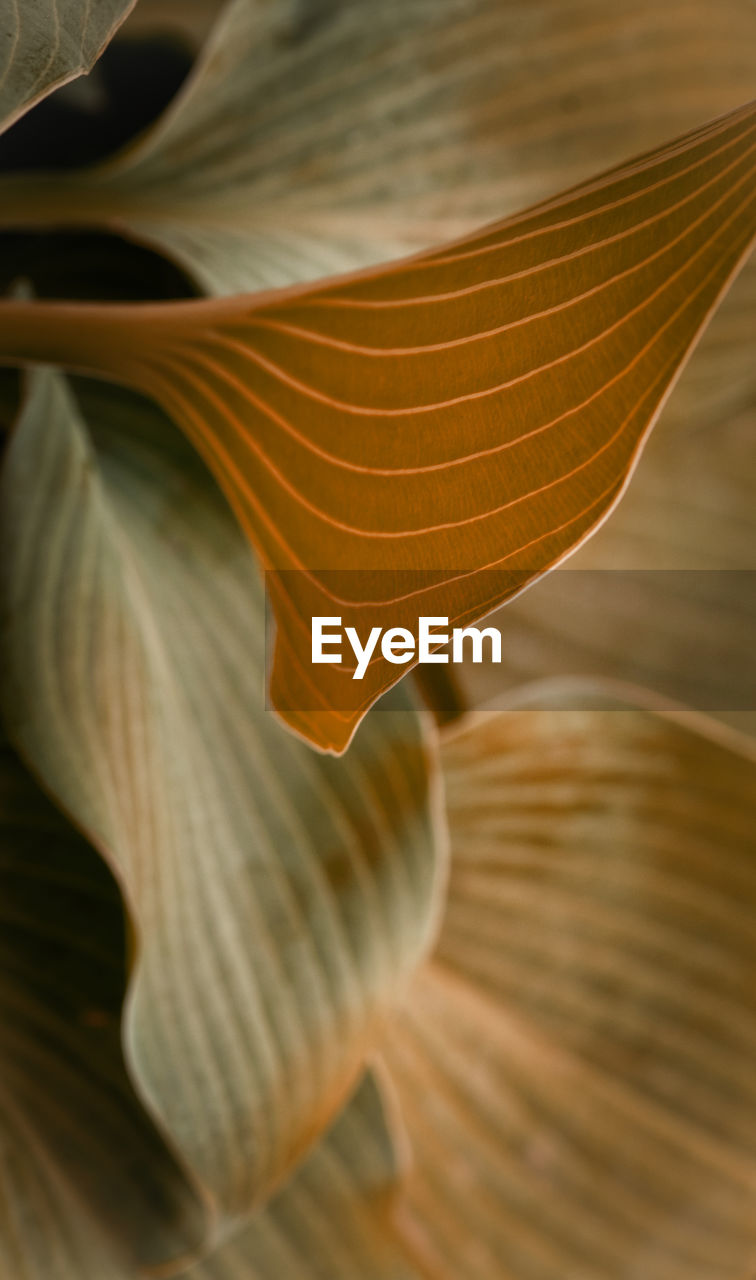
x=280 y=899
x=87 y=1186
x=574 y=1065
x=45 y=43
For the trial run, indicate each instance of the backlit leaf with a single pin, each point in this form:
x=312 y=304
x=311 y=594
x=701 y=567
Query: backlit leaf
x=45 y=43
x=320 y=137
x=280 y=900
x=430 y=437
x=77 y=1148
x=575 y=1065
x=665 y=594
x=666 y=589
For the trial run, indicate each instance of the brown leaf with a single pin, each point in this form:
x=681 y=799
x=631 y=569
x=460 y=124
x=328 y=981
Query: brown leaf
x=428 y=438
x=664 y=596
x=575 y=1065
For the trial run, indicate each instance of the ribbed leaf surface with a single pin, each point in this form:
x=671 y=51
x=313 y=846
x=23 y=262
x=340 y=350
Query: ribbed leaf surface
x=575 y=1064
x=87 y=1187
x=428 y=438
x=44 y=43
x=314 y=138
x=333 y=1219
x=280 y=900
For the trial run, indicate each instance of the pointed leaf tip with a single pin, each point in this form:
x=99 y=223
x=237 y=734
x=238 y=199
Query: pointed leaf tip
x=46 y=43
x=427 y=438
x=280 y=899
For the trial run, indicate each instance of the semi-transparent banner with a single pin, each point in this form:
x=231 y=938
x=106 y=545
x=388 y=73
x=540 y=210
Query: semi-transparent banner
x=687 y=635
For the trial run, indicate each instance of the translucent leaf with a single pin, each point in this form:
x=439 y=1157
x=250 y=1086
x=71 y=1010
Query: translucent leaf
x=45 y=43
x=428 y=438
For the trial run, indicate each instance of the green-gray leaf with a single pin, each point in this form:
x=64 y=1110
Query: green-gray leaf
x=280 y=898
x=45 y=43
x=76 y=1147
x=334 y=1218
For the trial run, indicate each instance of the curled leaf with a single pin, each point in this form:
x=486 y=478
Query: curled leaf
x=280 y=900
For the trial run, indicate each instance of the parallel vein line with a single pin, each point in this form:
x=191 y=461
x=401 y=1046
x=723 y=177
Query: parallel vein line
x=327 y=340
x=255 y=357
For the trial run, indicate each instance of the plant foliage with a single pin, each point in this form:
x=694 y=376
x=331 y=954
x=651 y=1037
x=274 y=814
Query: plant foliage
x=269 y=1014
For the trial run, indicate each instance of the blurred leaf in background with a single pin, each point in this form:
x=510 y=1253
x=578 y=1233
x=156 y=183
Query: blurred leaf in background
x=574 y=1065
x=46 y=43
x=564 y=1088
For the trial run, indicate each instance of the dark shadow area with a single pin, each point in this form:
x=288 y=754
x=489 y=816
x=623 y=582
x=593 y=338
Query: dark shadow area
x=133 y=81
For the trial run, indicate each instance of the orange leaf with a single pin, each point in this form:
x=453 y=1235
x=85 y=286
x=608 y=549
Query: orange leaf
x=428 y=438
